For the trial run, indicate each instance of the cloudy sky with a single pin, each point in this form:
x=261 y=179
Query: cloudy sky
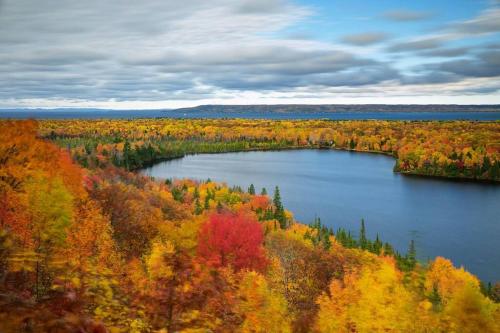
x=174 y=53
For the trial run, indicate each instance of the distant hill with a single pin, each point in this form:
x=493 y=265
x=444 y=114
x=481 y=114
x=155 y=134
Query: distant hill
x=310 y=108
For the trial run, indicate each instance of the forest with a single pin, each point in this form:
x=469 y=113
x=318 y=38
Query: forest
x=88 y=245
x=452 y=149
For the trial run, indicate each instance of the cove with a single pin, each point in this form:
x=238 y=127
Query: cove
x=453 y=219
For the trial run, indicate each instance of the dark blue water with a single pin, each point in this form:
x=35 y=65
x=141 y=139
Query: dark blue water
x=353 y=115
x=80 y=114
x=457 y=220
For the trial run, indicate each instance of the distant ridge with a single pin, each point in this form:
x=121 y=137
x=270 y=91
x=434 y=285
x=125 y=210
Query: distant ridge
x=294 y=111
x=306 y=108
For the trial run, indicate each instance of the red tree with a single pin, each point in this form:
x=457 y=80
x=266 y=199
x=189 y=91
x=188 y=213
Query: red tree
x=235 y=240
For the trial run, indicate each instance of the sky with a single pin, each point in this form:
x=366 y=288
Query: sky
x=129 y=54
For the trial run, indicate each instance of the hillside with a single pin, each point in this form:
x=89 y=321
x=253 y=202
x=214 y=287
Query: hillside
x=318 y=108
x=107 y=250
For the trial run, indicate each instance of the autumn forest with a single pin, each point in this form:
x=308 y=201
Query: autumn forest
x=456 y=149
x=88 y=244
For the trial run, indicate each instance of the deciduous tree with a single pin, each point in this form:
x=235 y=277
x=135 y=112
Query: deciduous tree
x=235 y=240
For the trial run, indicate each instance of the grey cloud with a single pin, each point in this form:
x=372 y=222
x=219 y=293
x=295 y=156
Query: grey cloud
x=128 y=49
x=272 y=67
x=367 y=38
x=491 y=57
x=469 y=68
x=280 y=80
x=480 y=64
x=430 y=78
x=159 y=50
x=406 y=15
x=481 y=90
x=149 y=63
x=359 y=77
x=487 y=22
x=494 y=46
x=260 y=6
x=54 y=56
x=447 y=52
x=486 y=64
x=417 y=45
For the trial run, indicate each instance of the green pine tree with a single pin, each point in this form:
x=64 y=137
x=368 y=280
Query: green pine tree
x=277 y=199
x=327 y=244
x=197 y=207
x=363 y=242
x=377 y=245
x=207 y=202
x=411 y=256
x=279 y=211
x=388 y=250
x=127 y=152
x=435 y=299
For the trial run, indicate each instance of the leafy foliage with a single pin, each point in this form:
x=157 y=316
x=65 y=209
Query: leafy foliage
x=459 y=149
x=101 y=249
x=235 y=240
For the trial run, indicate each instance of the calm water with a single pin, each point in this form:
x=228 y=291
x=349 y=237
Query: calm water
x=355 y=115
x=457 y=220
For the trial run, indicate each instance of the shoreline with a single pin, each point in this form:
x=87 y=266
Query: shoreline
x=403 y=173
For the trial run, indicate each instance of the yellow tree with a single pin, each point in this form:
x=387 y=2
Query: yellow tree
x=465 y=309
x=372 y=301
x=445 y=279
x=469 y=311
x=263 y=309
x=51 y=213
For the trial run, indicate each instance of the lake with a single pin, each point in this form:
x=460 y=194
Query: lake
x=195 y=113
x=457 y=220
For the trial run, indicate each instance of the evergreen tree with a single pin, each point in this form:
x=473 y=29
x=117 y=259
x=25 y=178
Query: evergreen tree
x=178 y=194
x=277 y=199
x=127 y=152
x=352 y=144
x=435 y=299
x=279 y=211
x=307 y=235
x=114 y=159
x=411 y=256
x=377 y=245
x=251 y=190
x=486 y=164
x=280 y=216
x=363 y=242
x=388 y=250
x=196 y=193
x=207 y=201
x=327 y=244
x=264 y=191
x=268 y=215
x=197 y=207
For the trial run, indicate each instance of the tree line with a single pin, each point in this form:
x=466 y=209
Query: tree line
x=454 y=149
